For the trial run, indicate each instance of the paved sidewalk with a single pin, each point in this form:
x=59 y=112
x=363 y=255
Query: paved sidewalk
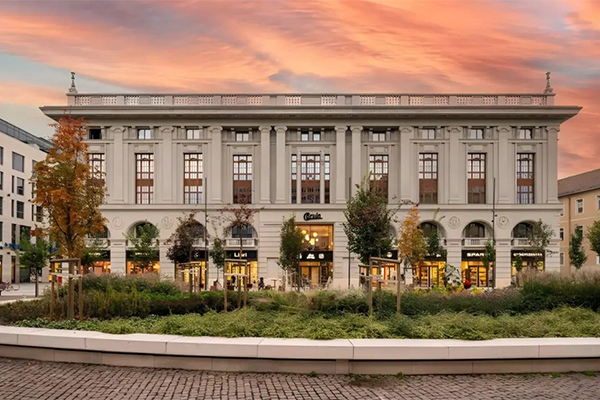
x=26 y=291
x=33 y=380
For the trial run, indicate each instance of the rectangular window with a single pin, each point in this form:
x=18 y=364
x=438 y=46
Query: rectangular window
x=525 y=178
x=304 y=136
x=18 y=162
x=310 y=178
x=20 y=186
x=525 y=133
x=192 y=178
x=428 y=178
x=476 y=133
x=242 y=136
x=242 y=179
x=1 y=155
x=1 y=205
x=144 y=133
x=562 y=258
x=20 y=209
x=94 y=134
x=144 y=178
x=294 y=178
x=579 y=206
x=379 y=169
x=97 y=165
x=192 y=133
x=428 y=133
x=24 y=231
x=13 y=233
x=39 y=214
x=1 y=180
x=327 y=178
x=476 y=178
x=1 y=236
x=316 y=136
x=378 y=136
x=561 y=233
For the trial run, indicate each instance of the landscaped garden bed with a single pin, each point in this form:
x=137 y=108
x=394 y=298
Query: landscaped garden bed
x=547 y=306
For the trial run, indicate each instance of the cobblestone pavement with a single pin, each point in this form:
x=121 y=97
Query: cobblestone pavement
x=33 y=380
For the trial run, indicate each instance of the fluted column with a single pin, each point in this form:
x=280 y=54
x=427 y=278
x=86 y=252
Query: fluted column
x=552 y=167
x=356 y=157
x=505 y=162
x=280 y=186
x=265 y=164
x=406 y=177
x=216 y=164
x=456 y=174
x=340 y=164
x=118 y=170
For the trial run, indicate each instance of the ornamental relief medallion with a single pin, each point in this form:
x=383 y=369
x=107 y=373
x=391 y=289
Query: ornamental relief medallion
x=454 y=222
x=503 y=222
x=117 y=222
x=167 y=223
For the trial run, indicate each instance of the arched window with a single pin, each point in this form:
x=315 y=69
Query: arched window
x=137 y=229
x=242 y=232
x=104 y=234
x=522 y=230
x=428 y=228
x=474 y=230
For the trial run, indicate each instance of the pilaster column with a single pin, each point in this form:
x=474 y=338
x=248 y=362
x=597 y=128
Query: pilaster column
x=118 y=169
x=340 y=164
x=322 y=179
x=503 y=263
x=167 y=268
x=118 y=260
x=166 y=160
x=356 y=157
x=457 y=172
x=216 y=163
x=505 y=160
x=405 y=174
x=298 y=176
x=265 y=164
x=280 y=174
x=552 y=166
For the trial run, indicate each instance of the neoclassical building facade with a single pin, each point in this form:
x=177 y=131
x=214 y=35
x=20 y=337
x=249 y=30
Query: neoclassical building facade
x=459 y=157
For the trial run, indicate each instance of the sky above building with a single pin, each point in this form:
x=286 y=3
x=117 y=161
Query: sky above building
x=305 y=46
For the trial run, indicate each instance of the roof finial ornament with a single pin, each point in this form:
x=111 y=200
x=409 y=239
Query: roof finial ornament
x=72 y=89
x=548 y=86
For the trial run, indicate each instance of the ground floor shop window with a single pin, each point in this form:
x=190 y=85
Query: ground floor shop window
x=528 y=261
x=194 y=271
x=242 y=268
x=477 y=274
x=136 y=268
x=316 y=274
x=100 y=267
x=430 y=274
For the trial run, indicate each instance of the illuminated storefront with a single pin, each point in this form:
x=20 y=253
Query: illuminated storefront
x=430 y=273
x=529 y=260
x=473 y=269
x=316 y=260
x=197 y=267
x=136 y=268
x=241 y=268
x=102 y=264
x=388 y=272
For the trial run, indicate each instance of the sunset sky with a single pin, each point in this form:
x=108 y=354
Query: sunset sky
x=305 y=45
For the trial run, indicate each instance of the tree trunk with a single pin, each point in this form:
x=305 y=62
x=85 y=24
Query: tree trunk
x=37 y=279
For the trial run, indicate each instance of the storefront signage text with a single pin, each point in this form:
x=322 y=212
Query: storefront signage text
x=309 y=217
x=316 y=256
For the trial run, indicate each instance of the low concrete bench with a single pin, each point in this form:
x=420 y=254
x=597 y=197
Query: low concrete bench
x=340 y=356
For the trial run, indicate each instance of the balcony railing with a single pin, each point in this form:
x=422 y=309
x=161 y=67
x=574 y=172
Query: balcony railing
x=245 y=242
x=103 y=242
x=475 y=242
x=520 y=242
x=300 y=100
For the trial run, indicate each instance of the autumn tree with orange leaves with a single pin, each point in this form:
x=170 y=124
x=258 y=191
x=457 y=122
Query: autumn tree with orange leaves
x=68 y=190
x=412 y=247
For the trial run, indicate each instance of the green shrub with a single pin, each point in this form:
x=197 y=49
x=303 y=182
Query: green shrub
x=147 y=283
x=549 y=291
x=23 y=310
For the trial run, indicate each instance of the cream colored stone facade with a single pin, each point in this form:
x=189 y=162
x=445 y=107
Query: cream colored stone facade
x=352 y=128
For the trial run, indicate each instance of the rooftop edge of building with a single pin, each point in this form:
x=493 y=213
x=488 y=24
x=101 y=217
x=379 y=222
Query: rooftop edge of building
x=24 y=136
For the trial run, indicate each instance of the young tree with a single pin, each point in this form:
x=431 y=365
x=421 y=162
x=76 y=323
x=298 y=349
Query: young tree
x=434 y=245
x=593 y=236
x=144 y=239
x=489 y=255
x=538 y=239
x=411 y=243
x=186 y=236
x=576 y=252
x=368 y=223
x=35 y=256
x=92 y=253
x=217 y=254
x=290 y=247
x=68 y=190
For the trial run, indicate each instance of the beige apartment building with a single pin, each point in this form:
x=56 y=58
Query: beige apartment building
x=458 y=156
x=580 y=196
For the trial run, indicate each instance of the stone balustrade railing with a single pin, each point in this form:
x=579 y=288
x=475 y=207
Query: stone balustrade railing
x=300 y=100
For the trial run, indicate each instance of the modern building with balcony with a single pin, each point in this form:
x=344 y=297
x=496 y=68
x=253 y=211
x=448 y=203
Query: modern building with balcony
x=19 y=151
x=460 y=157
